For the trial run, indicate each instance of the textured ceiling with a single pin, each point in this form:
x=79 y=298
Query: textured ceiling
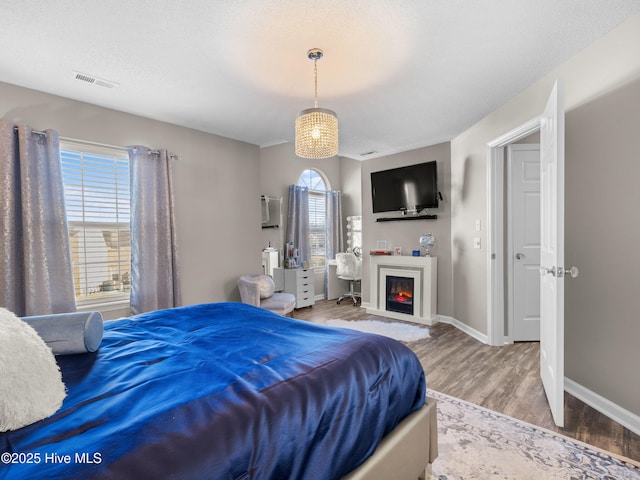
x=400 y=74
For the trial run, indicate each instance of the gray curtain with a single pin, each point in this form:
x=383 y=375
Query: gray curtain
x=298 y=221
x=35 y=269
x=154 y=251
x=334 y=224
x=334 y=230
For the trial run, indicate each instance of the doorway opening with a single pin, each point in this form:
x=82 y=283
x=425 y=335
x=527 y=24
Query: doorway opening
x=499 y=251
x=551 y=126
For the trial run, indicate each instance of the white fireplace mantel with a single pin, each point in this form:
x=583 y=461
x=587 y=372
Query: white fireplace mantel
x=423 y=270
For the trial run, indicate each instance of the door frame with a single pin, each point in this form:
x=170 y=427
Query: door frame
x=496 y=250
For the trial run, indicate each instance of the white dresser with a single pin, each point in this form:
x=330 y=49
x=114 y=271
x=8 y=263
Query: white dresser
x=297 y=281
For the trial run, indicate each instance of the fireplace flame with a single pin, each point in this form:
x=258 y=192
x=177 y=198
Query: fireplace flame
x=403 y=297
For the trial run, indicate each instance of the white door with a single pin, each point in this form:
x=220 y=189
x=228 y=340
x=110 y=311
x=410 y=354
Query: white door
x=524 y=245
x=552 y=253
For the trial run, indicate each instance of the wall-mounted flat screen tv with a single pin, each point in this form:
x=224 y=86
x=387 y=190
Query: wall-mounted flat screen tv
x=414 y=187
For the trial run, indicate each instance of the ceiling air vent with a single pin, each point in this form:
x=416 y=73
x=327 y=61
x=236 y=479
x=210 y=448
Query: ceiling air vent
x=101 y=82
x=370 y=152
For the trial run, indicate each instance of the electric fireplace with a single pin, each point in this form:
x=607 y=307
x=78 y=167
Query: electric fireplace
x=399 y=294
x=403 y=287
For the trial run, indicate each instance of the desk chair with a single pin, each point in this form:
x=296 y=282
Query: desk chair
x=349 y=268
x=258 y=290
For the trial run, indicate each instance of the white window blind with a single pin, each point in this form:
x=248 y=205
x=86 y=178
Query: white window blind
x=318 y=227
x=317 y=215
x=97 y=201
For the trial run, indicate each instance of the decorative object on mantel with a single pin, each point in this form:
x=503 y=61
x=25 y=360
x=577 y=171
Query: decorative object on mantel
x=475 y=442
x=383 y=247
x=427 y=241
x=316 y=128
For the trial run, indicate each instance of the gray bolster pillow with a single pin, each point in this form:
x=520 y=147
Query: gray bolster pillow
x=68 y=333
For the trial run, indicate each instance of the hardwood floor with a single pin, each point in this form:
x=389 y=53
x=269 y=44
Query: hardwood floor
x=504 y=379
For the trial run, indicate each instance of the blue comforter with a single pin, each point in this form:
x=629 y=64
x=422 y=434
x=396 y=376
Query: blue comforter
x=220 y=391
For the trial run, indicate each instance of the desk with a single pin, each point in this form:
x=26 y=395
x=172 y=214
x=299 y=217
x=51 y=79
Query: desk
x=335 y=286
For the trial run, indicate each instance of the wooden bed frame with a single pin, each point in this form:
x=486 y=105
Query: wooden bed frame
x=407 y=452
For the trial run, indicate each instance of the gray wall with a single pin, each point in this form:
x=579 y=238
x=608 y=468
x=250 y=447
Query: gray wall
x=218 y=222
x=610 y=64
x=602 y=230
x=351 y=176
x=405 y=234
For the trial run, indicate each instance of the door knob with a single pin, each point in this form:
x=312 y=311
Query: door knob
x=572 y=272
x=520 y=256
x=560 y=272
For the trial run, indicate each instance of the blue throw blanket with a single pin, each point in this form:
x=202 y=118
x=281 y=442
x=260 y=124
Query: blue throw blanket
x=220 y=391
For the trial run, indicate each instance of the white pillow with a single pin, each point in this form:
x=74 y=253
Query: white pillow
x=267 y=287
x=31 y=385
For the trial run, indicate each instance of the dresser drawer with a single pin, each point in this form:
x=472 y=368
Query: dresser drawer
x=305 y=291
x=304 y=300
x=300 y=282
x=304 y=277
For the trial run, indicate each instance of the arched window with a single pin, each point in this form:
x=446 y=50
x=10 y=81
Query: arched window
x=318 y=186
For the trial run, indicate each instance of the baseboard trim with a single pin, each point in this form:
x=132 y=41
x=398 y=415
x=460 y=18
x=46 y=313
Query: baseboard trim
x=605 y=406
x=472 y=332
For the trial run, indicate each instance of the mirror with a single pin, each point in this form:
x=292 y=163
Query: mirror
x=271 y=208
x=354 y=234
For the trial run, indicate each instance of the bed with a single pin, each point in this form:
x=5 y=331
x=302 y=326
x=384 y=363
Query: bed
x=231 y=391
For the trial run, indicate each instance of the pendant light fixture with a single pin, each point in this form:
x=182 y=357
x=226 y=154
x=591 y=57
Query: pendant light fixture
x=316 y=128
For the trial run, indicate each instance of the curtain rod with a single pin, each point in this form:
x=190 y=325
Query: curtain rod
x=170 y=155
x=151 y=152
x=37 y=132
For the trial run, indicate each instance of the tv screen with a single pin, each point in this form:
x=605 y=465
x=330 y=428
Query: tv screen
x=405 y=188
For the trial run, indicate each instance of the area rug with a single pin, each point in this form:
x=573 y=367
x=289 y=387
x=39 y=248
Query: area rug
x=396 y=330
x=476 y=443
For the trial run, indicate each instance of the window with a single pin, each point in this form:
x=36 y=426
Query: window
x=97 y=202
x=317 y=186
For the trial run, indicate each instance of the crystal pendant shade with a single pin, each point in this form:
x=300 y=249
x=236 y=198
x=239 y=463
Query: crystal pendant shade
x=316 y=133
x=316 y=128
